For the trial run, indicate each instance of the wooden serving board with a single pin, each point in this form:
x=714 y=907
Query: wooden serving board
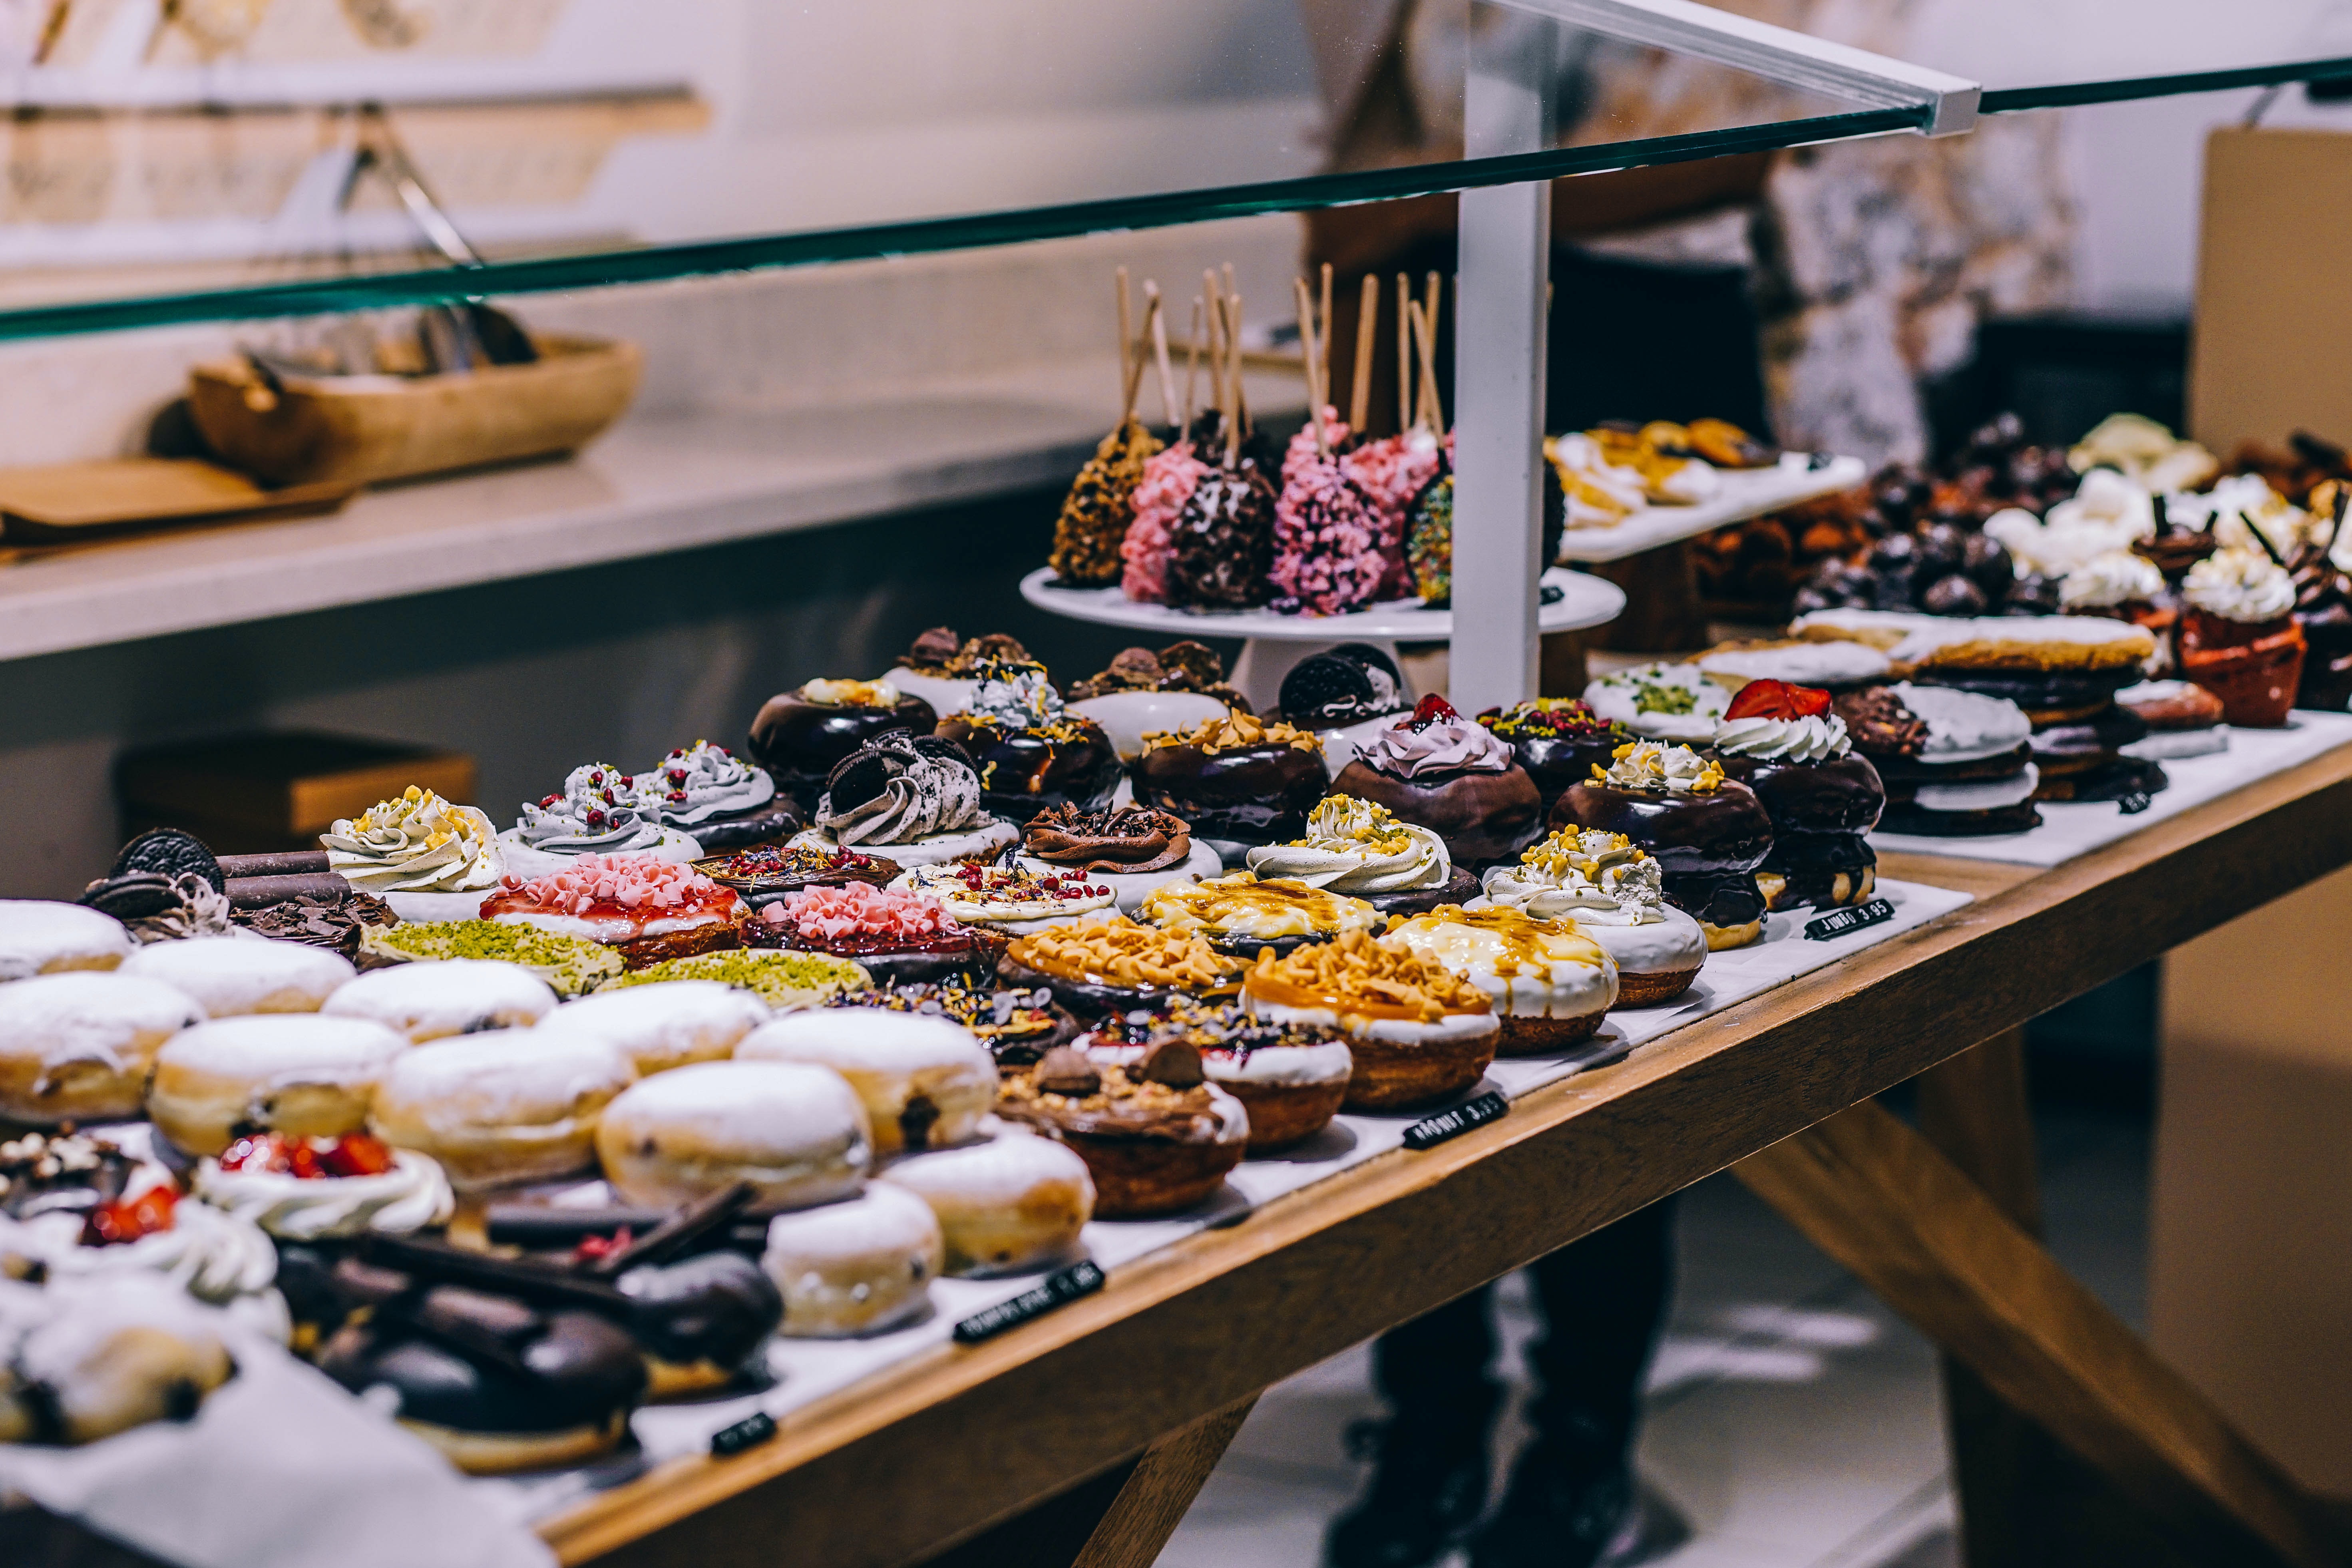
x=65 y=502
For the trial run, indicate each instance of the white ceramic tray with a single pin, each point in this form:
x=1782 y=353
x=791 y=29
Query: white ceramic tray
x=1746 y=494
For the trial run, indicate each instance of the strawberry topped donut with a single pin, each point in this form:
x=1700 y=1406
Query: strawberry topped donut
x=647 y=908
x=1784 y=742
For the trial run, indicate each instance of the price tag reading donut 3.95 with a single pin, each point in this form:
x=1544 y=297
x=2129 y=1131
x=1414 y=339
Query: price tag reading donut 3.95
x=1837 y=922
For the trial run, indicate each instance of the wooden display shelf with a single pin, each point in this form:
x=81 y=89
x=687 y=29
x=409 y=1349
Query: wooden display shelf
x=1161 y=1363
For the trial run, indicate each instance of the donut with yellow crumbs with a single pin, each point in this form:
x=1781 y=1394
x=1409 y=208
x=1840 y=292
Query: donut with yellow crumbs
x=1419 y=1033
x=1118 y=966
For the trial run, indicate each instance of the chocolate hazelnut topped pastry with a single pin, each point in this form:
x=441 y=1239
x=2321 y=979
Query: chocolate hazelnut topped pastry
x=1708 y=833
x=1558 y=740
x=944 y=670
x=1419 y=1032
x=1954 y=764
x=1029 y=751
x=1615 y=894
x=801 y=735
x=1363 y=850
x=1018 y=1025
x=1784 y=742
x=1289 y=1076
x=1127 y=840
x=721 y=802
x=911 y=799
x=765 y=874
x=1878 y=724
x=2183 y=720
x=1237 y=780
x=1157 y=1136
x=1238 y=914
x=896 y=935
x=1118 y=966
x=1454 y=776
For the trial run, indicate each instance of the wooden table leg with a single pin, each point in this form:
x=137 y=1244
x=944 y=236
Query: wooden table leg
x=1120 y=1519
x=1879 y=1198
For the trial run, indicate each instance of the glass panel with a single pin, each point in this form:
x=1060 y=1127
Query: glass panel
x=2038 y=52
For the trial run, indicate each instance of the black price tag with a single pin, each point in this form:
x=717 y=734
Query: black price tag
x=1060 y=1288
x=749 y=1433
x=1455 y=1122
x=2132 y=805
x=1837 y=922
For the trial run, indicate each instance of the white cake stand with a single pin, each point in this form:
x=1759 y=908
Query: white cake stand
x=1273 y=643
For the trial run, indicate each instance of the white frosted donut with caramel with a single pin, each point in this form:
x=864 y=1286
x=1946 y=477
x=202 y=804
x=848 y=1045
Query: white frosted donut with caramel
x=926 y=1081
x=448 y=996
x=796 y=1132
x=1550 y=983
x=855 y=1266
x=41 y=936
x=1014 y=1202
x=500 y=1108
x=665 y=1025
x=296 y=1073
x=77 y=1047
x=232 y=976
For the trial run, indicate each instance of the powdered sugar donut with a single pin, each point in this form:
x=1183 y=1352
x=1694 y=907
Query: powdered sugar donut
x=284 y=1073
x=503 y=1107
x=77 y=1047
x=449 y=997
x=38 y=936
x=796 y=1133
x=1014 y=1202
x=665 y=1025
x=231 y=976
x=853 y=1266
x=926 y=1081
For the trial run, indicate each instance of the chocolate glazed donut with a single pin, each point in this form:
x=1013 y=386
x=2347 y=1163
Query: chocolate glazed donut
x=1556 y=762
x=1251 y=794
x=1708 y=845
x=1820 y=811
x=1482 y=816
x=799 y=741
x=1023 y=772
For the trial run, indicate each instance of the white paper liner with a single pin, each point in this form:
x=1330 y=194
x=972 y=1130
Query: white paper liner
x=2069 y=829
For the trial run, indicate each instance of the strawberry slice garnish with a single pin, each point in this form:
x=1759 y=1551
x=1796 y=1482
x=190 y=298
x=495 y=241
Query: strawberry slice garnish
x=1429 y=710
x=1776 y=700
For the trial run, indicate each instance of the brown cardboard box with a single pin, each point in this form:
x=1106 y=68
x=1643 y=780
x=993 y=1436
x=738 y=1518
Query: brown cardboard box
x=246 y=793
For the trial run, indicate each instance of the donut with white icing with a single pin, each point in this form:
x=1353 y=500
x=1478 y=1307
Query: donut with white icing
x=77 y=1047
x=1549 y=982
x=283 y=1073
x=1014 y=1202
x=39 y=936
x=503 y=1107
x=666 y=1024
x=925 y=1080
x=855 y=1266
x=449 y=997
x=233 y=976
x=796 y=1132
x=88 y=1361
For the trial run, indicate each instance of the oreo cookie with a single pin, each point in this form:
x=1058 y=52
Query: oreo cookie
x=1343 y=685
x=169 y=852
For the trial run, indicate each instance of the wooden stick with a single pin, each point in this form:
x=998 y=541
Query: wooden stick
x=1134 y=386
x=1155 y=322
x=1192 y=370
x=1404 y=353
x=1368 y=321
x=1126 y=338
x=1240 y=412
x=1216 y=309
x=1314 y=377
x=1323 y=346
x=1433 y=409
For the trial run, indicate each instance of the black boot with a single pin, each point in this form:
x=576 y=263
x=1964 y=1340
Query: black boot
x=1428 y=1487
x=1564 y=1509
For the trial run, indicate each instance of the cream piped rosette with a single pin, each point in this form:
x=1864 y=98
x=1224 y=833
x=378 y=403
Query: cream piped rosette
x=410 y=1196
x=415 y=843
x=219 y=1259
x=1549 y=982
x=1357 y=847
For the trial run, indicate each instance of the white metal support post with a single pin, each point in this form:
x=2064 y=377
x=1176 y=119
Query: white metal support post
x=1505 y=271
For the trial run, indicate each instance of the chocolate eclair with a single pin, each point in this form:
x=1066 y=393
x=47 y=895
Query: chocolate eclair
x=801 y=735
x=1452 y=776
x=1029 y=751
x=1708 y=833
x=1558 y=740
x=1784 y=742
x=1157 y=1136
x=1236 y=780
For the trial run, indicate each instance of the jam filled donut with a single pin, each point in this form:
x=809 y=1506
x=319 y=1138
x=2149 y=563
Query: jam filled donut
x=1005 y=1207
x=644 y=907
x=41 y=937
x=1550 y=984
x=77 y=1047
x=662 y=1025
x=1157 y=1136
x=1419 y=1033
x=295 y=1073
x=855 y=1266
x=925 y=1081
x=456 y=996
x=501 y=1109
x=1290 y=1077
x=1363 y=850
x=1451 y=775
x=801 y=735
x=797 y=1133
x=230 y=976
x=1708 y=833
x=1236 y=780
x=1238 y=914
x=1118 y=966
x=1615 y=894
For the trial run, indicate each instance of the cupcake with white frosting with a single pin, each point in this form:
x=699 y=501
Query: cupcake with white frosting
x=1615 y=894
x=2238 y=637
x=1363 y=850
x=428 y=859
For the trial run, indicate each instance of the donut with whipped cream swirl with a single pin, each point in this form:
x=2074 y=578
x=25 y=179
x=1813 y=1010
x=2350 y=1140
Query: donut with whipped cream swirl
x=717 y=799
x=1362 y=849
x=1708 y=832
